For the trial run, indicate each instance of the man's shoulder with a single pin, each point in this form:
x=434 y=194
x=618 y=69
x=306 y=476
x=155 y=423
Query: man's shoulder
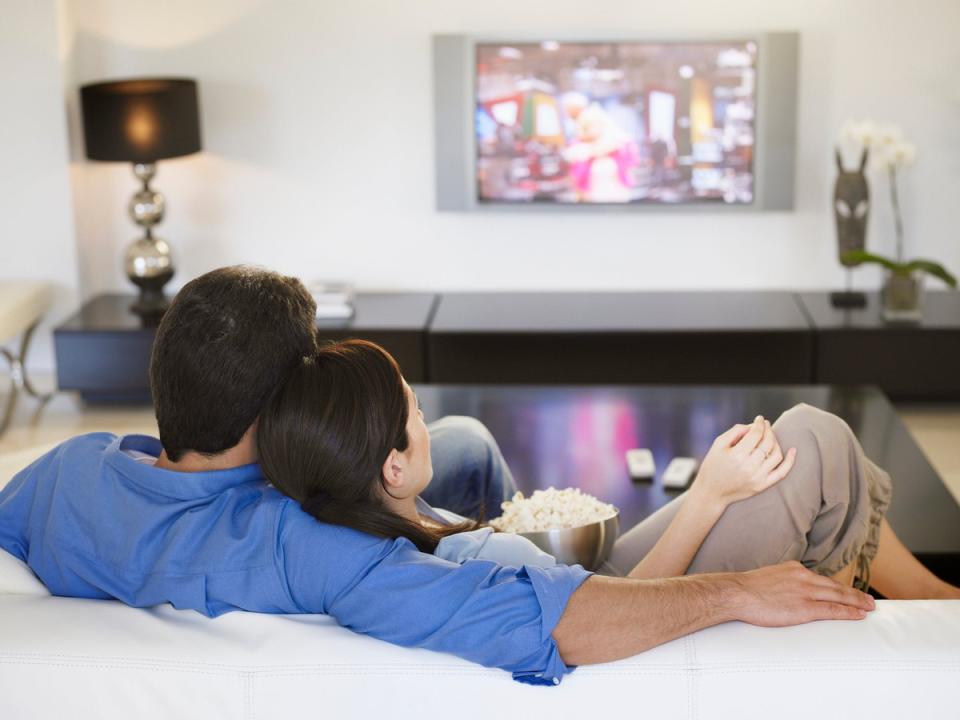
x=82 y=453
x=94 y=441
x=88 y=447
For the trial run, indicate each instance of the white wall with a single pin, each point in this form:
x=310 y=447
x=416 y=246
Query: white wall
x=36 y=227
x=318 y=128
x=317 y=123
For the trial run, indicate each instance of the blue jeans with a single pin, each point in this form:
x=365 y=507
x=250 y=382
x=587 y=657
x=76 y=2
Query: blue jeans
x=470 y=476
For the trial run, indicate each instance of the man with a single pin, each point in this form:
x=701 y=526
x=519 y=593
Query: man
x=189 y=520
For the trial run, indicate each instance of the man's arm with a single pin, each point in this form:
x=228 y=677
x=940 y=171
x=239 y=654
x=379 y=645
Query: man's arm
x=493 y=615
x=612 y=618
x=534 y=622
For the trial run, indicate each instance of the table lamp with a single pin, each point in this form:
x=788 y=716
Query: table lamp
x=141 y=121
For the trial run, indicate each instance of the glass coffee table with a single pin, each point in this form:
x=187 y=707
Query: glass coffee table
x=566 y=436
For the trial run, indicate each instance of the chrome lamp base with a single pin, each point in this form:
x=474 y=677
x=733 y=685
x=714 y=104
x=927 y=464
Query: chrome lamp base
x=149 y=261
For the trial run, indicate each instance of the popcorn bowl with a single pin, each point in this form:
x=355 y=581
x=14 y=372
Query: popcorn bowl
x=588 y=545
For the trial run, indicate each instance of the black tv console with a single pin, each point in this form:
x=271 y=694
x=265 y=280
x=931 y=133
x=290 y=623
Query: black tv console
x=720 y=338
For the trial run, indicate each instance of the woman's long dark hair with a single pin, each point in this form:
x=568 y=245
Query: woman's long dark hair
x=326 y=432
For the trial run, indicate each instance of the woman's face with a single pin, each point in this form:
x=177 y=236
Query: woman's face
x=419 y=467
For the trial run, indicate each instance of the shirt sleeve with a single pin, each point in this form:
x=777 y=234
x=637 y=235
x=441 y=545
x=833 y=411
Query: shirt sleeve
x=17 y=500
x=496 y=616
x=14 y=506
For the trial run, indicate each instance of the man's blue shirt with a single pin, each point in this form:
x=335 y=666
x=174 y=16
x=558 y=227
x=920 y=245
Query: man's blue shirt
x=93 y=522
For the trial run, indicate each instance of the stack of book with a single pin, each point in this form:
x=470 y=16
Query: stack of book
x=334 y=300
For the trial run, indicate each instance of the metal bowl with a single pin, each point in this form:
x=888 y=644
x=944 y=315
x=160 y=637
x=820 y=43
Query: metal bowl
x=587 y=545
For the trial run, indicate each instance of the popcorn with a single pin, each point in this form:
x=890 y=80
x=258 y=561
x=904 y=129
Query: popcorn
x=551 y=509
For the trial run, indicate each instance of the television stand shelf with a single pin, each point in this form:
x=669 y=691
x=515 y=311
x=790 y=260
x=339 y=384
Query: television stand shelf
x=575 y=338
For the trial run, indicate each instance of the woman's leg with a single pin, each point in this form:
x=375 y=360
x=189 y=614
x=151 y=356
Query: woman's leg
x=470 y=476
x=898 y=575
x=631 y=547
x=826 y=513
x=847 y=576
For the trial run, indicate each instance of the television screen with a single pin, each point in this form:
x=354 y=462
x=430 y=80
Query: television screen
x=615 y=123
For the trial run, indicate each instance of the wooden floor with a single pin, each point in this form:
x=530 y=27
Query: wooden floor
x=936 y=428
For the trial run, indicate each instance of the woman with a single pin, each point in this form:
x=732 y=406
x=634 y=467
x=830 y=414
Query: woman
x=345 y=437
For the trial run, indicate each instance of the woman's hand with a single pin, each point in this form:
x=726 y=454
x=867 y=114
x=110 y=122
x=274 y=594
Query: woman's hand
x=744 y=461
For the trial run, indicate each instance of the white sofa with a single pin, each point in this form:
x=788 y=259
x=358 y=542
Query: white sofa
x=64 y=657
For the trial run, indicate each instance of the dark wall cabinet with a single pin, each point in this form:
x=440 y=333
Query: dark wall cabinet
x=103 y=351
x=717 y=338
x=907 y=361
x=603 y=338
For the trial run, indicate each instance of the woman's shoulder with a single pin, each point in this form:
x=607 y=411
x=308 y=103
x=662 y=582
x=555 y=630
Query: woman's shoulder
x=441 y=516
x=449 y=517
x=485 y=544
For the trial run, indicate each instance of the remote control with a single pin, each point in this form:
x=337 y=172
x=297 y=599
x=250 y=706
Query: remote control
x=679 y=472
x=640 y=464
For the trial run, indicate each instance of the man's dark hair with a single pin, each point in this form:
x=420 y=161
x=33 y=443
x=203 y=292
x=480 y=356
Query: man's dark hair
x=227 y=340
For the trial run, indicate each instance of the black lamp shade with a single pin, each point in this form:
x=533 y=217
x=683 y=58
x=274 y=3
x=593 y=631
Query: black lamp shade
x=141 y=120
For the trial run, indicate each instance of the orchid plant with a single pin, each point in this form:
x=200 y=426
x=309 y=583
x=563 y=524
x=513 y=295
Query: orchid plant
x=890 y=152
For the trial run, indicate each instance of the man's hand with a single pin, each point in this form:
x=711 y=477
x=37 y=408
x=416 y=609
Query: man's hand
x=789 y=594
x=743 y=461
x=611 y=618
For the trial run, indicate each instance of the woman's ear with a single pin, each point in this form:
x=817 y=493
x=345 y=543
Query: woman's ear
x=392 y=471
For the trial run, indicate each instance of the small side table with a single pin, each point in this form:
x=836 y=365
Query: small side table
x=22 y=305
x=103 y=351
x=907 y=361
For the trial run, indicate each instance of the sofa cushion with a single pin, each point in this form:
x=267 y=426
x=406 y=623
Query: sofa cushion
x=17 y=578
x=109 y=660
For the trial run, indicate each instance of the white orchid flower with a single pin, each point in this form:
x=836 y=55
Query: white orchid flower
x=903 y=154
x=867 y=132
x=895 y=156
x=882 y=159
x=886 y=143
x=889 y=135
x=862 y=133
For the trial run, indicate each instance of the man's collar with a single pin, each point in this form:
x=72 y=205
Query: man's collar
x=171 y=483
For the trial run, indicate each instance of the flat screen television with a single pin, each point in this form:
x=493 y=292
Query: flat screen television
x=691 y=123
